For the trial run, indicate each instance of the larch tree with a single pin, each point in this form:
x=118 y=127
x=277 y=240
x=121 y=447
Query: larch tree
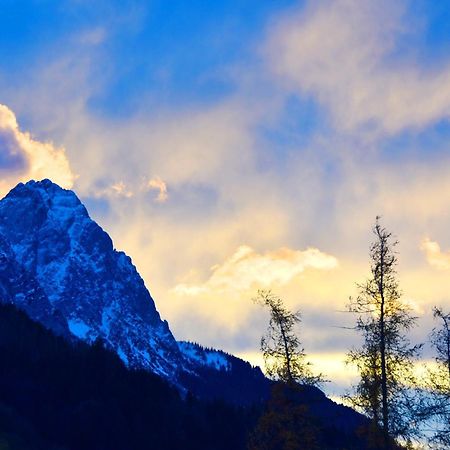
x=284 y=355
x=286 y=423
x=385 y=360
x=438 y=383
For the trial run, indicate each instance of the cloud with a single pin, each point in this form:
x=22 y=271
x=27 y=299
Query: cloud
x=340 y=52
x=246 y=269
x=160 y=186
x=234 y=179
x=23 y=158
x=435 y=257
x=120 y=189
x=117 y=189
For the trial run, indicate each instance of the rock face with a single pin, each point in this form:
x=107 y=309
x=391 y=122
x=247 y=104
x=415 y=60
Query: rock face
x=59 y=266
x=61 y=269
x=21 y=288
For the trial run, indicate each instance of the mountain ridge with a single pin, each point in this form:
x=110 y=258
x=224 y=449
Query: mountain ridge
x=61 y=269
x=70 y=278
x=95 y=287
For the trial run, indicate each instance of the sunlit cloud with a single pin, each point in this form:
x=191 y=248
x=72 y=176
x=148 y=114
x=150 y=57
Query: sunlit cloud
x=118 y=189
x=331 y=365
x=434 y=255
x=339 y=52
x=121 y=190
x=23 y=158
x=228 y=184
x=160 y=186
x=246 y=269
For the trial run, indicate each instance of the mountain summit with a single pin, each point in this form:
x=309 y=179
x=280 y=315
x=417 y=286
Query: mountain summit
x=71 y=263
x=60 y=267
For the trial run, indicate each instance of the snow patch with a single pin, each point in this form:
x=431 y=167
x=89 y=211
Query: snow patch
x=122 y=355
x=210 y=358
x=78 y=328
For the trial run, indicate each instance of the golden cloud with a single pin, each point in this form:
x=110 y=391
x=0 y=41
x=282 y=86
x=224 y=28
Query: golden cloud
x=160 y=186
x=246 y=269
x=118 y=189
x=435 y=257
x=22 y=158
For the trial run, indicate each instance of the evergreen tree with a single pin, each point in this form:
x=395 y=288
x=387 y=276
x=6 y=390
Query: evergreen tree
x=287 y=423
x=284 y=356
x=438 y=383
x=385 y=359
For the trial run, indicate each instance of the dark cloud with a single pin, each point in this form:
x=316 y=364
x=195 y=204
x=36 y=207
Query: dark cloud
x=12 y=158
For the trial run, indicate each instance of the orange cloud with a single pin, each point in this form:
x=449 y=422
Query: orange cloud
x=22 y=158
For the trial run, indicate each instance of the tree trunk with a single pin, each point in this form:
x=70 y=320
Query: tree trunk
x=385 y=413
x=286 y=351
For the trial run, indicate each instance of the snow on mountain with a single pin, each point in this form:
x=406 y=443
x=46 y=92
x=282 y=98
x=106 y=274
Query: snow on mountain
x=61 y=268
x=197 y=355
x=21 y=288
x=81 y=285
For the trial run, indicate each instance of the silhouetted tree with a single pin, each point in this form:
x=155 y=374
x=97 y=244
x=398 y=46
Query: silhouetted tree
x=286 y=423
x=438 y=383
x=385 y=359
x=284 y=356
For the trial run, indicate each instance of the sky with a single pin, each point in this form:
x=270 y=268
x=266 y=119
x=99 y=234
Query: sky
x=232 y=146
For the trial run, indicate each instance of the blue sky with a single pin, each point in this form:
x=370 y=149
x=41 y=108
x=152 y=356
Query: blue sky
x=178 y=51
x=230 y=146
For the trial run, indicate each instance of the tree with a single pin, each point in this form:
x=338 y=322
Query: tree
x=286 y=423
x=386 y=358
x=438 y=383
x=284 y=356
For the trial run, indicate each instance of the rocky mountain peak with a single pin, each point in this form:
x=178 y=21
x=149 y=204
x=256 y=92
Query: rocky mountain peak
x=50 y=236
x=61 y=268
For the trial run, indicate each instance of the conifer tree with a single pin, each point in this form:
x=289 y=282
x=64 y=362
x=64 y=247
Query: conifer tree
x=286 y=423
x=385 y=359
x=438 y=383
x=284 y=355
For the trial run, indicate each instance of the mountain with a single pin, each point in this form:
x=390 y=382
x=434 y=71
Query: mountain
x=61 y=268
x=18 y=286
x=57 y=394
x=89 y=351
x=80 y=275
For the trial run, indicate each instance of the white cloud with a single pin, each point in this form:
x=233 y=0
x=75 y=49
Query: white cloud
x=117 y=189
x=120 y=189
x=435 y=257
x=246 y=269
x=23 y=158
x=339 y=52
x=237 y=188
x=160 y=186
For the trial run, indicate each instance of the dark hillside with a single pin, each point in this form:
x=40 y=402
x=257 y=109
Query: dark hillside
x=58 y=395
x=62 y=395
